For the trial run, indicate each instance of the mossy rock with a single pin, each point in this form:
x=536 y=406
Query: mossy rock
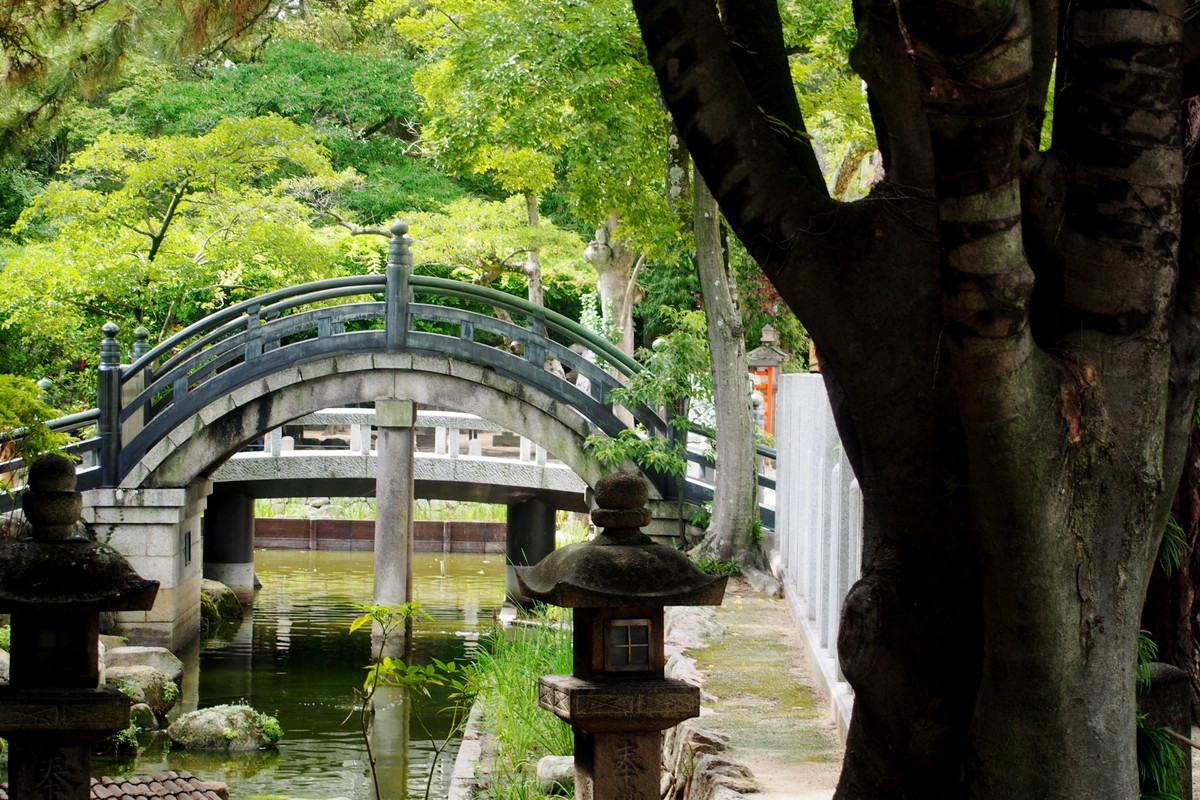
x=142 y=717
x=218 y=604
x=143 y=684
x=228 y=728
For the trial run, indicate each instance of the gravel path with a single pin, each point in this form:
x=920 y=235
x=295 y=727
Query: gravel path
x=759 y=692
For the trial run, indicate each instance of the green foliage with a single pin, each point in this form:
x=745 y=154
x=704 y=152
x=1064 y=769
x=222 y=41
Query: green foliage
x=1161 y=761
x=23 y=418
x=821 y=34
x=715 y=566
x=486 y=242
x=6 y=638
x=509 y=667
x=269 y=727
x=170 y=692
x=18 y=186
x=636 y=446
x=676 y=377
x=126 y=741
x=390 y=620
x=1174 y=547
x=359 y=99
x=163 y=231
x=59 y=51
x=1147 y=651
x=538 y=94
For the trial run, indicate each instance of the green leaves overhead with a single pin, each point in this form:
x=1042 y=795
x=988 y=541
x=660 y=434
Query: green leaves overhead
x=820 y=34
x=159 y=231
x=483 y=242
x=56 y=50
x=507 y=79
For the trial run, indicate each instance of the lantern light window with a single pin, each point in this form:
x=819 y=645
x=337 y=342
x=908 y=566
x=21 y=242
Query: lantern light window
x=627 y=645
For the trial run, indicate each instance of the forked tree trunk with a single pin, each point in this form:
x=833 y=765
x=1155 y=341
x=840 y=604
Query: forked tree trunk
x=1011 y=346
x=616 y=270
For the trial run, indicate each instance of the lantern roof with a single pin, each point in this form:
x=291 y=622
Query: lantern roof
x=621 y=566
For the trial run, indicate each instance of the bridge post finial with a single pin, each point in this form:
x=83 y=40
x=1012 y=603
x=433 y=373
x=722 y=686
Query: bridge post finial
x=141 y=342
x=108 y=397
x=399 y=295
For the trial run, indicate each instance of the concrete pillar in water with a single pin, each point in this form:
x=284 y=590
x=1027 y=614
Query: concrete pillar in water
x=390 y=739
x=229 y=542
x=529 y=537
x=394 y=506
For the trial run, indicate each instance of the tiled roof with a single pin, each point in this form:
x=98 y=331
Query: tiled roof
x=168 y=786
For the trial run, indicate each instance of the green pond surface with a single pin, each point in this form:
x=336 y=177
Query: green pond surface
x=295 y=658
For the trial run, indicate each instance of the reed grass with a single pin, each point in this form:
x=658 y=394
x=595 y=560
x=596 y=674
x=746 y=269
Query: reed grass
x=508 y=671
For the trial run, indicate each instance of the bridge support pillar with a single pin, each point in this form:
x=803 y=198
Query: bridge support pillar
x=229 y=542
x=158 y=531
x=394 y=494
x=529 y=538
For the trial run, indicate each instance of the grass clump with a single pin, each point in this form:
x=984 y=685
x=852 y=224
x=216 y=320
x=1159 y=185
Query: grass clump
x=508 y=670
x=715 y=566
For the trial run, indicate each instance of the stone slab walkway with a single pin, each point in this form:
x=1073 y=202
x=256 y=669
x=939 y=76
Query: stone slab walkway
x=759 y=691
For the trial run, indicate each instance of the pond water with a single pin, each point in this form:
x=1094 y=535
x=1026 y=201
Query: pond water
x=295 y=658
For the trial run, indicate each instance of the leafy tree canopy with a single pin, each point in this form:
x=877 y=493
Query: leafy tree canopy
x=160 y=231
x=486 y=242
x=529 y=91
x=57 y=50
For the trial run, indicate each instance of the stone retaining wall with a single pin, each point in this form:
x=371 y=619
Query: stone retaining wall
x=359 y=534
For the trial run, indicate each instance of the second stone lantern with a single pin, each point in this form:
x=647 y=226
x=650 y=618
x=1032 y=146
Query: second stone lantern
x=617 y=698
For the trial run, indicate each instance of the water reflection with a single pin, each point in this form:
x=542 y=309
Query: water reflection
x=293 y=657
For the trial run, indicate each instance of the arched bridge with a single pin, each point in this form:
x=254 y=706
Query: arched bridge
x=171 y=417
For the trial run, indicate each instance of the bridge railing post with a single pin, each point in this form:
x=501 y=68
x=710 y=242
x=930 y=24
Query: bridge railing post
x=399 y=293
x=108 y=396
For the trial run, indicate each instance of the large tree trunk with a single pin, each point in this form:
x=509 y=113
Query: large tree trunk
x=1011 y=350
x=731 y=533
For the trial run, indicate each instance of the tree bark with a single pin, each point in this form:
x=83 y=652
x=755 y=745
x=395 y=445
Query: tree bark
x=731 y=532
x=1010 y=342
x=533 y=259
x=616 y=269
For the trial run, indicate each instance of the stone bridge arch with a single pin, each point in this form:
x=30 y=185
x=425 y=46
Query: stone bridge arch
x=206 y=439
x=154 y=514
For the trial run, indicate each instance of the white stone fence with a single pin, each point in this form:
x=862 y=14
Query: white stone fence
x=818 y=526
x=352 y=429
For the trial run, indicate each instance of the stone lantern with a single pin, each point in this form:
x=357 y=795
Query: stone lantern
x=55 y=584
x=617 y=699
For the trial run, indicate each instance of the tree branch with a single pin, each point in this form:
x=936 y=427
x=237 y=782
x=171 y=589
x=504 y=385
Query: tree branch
x=756 y=35
x=772 y=202
x=157 y=239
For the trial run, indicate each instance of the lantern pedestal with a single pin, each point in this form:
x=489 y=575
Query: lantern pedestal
x=618 y=730
x=55 y=586
x=617 y=700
